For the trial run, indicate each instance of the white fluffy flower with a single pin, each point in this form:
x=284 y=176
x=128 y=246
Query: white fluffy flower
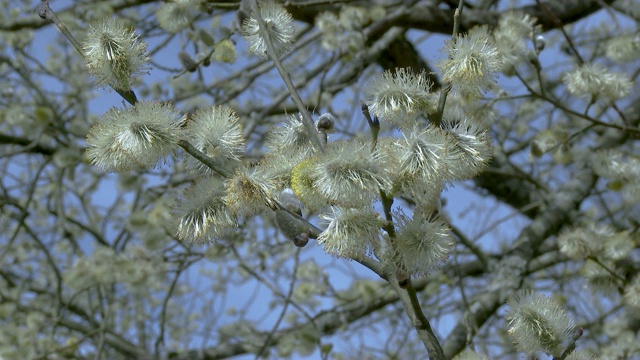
x=216 y=131
x=537 y=323
x=422 y=243
x=594 y=81
x=202 y=213
x=350 y=232
x=398 y=96
x=349 y=174
x=471 y=149
x=176 y=15
x=249 y=190
x=134 y=138
x=114 y=54
x=472 y=63
x=279 y=29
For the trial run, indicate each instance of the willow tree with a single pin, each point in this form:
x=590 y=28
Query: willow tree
x=191 y=179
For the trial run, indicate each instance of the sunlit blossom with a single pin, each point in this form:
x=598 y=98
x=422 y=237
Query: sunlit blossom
x=216 y=131
x=279 y=29
x=398 y=96
x=114 y=54
x=134 y=138
x=537 y=323
x=472 y=63
x=350 y=232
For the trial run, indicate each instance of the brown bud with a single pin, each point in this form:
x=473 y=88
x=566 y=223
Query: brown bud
x=187 y=62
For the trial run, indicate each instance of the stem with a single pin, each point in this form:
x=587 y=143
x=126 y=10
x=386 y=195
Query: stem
x=437 y=117
x=286 y=77
x=47 y=13
x=374 y=124
x=200 y=156
x=412 y=307
x=572 y=345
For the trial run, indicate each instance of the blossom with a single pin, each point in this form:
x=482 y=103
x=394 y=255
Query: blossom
x=421 y=243
x=134 y=138
x=537 y=323
x=114 y=54
x=225 y=51
x=510 y=35
x=416 y=164
x=399 y=96
x=202 y=213
x=594 y=81
x=350 y=232
x=602 y=276
x=578 y=243
x=632 y=294
x=471 y=149
x=249 y=190
x=176 y=15
x=349 y=174
x=343 y=32
x=472 y=63
x=279 y=29
x=303 y=184
x=216 y=131
x=292 y=134
x=623 y=48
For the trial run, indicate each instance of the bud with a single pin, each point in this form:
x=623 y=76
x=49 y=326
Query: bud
x=540 y=43
x=206 y=38
x=326 y=123
x=301 y=239
x=404 y=279
x=289 y=200
x=187 y=62
x=293 y=228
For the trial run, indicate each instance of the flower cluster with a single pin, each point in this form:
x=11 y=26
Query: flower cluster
x=398 y=96
x=202 y=214
x=595 y=82
x=472 y=63
x=624 y=48
x=114 y=55
x=134 y=138
x=346 y=174
x=510 y=37
x=279 y=29
x=350 y=232
x=343 y=31
x=176 y=15
x=422 y=243
x=537 y=323
x=216 y=132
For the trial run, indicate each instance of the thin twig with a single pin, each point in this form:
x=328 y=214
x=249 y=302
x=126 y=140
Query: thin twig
x=374 y=124
x=571 y=346
x=296 y=261
x=412 y=307
x=286 y=77
x=45 y=12
x=436 y=119
x=200 y=156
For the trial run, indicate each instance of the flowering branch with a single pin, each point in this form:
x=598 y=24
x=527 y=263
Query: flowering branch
x=412 y=307
x=45 y=12
x=286 y=77
x=198 y=155
x=572 y=345
x=437 y=117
